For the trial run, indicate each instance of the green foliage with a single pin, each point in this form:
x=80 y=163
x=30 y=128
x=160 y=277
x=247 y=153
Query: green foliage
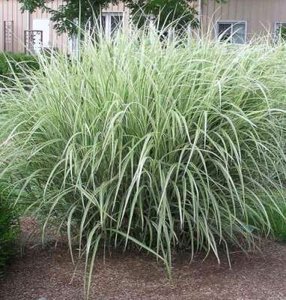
x=65 y=15
x=8 y=229
x=16 y=61
x=12 y=64
x=84 y=10
x=278 y=223
x=158 y=146
x=164 y=12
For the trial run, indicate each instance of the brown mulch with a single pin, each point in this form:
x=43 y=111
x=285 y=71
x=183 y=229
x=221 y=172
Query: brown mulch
x=49 y=274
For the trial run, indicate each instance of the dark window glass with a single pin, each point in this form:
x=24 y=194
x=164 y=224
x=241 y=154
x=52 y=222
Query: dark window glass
x=224 y=31
x=116 y=23
x=281 y=31
x=232 y=32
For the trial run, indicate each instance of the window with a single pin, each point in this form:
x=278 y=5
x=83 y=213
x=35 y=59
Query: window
x=111 y=23
x=232 y=32
x=280 y=31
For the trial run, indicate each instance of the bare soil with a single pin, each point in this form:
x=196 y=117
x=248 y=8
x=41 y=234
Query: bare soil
x=47 y=273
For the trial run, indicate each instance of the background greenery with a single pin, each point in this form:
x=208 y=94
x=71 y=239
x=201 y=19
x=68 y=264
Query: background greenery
x=9 y=229
x=12 y=64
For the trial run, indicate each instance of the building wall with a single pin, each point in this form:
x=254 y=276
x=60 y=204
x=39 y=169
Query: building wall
x=260 y=15
x=10 y=10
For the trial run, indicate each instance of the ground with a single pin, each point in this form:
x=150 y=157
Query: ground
x=49 y=274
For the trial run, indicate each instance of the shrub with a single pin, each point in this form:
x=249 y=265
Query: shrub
x=163 y=146
x=8 y=230
x=15 y=63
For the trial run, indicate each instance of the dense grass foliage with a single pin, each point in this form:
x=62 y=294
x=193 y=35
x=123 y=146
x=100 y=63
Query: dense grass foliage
x=9 y=229
x=15 y=63
x=278 y=223
x=163 y=145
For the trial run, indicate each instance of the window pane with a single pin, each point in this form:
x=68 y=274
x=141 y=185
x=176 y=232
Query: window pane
x=238 y=33
x=116 y=23
x=281 y=31
x=224 y=31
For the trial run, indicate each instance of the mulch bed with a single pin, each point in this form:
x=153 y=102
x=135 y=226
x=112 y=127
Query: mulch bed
x=47 y=273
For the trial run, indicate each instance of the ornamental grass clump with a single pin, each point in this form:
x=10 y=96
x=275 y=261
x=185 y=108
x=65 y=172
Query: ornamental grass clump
x=149 y=142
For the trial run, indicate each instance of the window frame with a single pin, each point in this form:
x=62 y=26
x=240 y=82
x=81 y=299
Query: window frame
x=108 y=15
x=231 y=23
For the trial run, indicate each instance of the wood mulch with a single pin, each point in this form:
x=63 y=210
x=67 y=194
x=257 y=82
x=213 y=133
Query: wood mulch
x=48 y=274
